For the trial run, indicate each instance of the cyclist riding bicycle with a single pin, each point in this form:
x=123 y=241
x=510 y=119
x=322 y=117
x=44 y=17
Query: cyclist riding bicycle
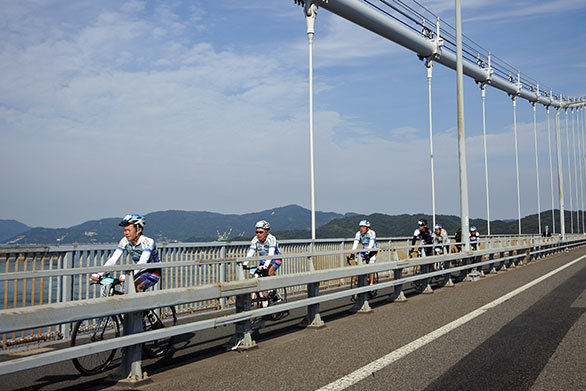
x=366 y=237
x=423 y=236
x=441 y=240
x=141 y=249
x=474 y=238
x=265 y=244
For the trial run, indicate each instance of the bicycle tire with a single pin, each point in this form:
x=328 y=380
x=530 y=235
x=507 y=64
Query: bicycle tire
x=152 y=321
x=96 y=362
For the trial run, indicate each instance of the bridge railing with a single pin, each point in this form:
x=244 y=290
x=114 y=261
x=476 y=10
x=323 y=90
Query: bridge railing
x=43 y=316
x=196 y=264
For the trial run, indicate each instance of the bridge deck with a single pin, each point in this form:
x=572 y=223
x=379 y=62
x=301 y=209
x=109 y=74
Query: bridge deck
x=530 y=341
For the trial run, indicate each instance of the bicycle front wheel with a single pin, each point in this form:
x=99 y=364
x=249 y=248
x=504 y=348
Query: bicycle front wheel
x=94 y=330
x=158 y=319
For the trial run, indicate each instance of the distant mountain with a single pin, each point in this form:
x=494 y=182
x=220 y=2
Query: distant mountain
x=10 y=228
x=405 y=225
x=177 y=225
x=288 y=222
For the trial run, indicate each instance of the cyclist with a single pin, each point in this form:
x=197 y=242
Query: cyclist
x=474 y=238
x=265 y=244
x=546 y=233
x=366 y=237
x=423 y=235
x=441 y=240
x=141 y=249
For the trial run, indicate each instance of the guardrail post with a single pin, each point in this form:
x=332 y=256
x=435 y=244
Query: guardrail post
x=130 y=370
x=398 y=294
x=513 y=263
x=492 y=269
x=361 y=306
x=503 y=264
x=66 y=290
x=448 y=276
x=426 y=281
x=242 y=339
x=313 y=319
x=223 y=274
x=342 y=263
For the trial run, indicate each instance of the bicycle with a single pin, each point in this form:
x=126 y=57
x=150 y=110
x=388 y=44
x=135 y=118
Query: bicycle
x=352 y=261
x=267 y=298
x=107 y=327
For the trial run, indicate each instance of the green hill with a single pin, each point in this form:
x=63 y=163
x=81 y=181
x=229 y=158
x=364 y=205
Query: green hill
x=404 y=225
x=177 y=225
x=10 y=228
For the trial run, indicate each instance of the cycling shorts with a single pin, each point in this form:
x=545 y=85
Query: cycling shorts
x=148 y=280
x=274 y=262
x=370 y=257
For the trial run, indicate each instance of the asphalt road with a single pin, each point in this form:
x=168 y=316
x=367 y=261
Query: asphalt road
x=533 y=340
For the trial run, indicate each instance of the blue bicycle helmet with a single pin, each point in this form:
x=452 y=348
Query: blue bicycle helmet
x=132 y=219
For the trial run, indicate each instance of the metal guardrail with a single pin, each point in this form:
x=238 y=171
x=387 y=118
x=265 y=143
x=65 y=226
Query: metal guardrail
x=13 y=320
x=58 y=274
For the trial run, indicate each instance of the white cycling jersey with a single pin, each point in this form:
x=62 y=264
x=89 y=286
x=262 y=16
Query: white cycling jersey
x=268 y=248
x=145 y=251
x=368 y=240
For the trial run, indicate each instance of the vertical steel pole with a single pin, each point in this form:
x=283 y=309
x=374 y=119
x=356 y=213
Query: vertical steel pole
x=569 y=173
x=537 y=167
x=550 y=171
x=461 y=133
x=582 y=168
x=575 y=169
x=310 y=14
x=313 y=316
x=560 y=172
x=429 y=67
x=483 y=93
x=517 y=160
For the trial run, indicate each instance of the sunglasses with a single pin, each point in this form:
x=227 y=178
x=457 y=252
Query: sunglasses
x=260 y=232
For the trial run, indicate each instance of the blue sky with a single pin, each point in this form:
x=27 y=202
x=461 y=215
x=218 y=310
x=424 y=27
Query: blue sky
x=113 y=107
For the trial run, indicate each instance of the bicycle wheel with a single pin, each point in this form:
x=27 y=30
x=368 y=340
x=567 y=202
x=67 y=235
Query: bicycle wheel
x=152 y=321
x=94 y=330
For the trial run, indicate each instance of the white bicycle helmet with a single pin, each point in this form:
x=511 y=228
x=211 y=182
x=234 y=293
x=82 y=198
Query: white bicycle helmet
x=263 y=224
x=472 y=229
x=438 y=226
x=364 y=223
x=132 y=219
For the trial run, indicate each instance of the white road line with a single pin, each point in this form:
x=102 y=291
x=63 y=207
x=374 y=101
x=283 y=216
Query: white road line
x=369 y=369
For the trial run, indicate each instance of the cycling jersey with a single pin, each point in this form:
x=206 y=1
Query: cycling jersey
x=268 y=248
x=442 y=238
x=424 y=238
x=474 y=238
x=145 y=251
x=368 y=240
x=441 y=242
